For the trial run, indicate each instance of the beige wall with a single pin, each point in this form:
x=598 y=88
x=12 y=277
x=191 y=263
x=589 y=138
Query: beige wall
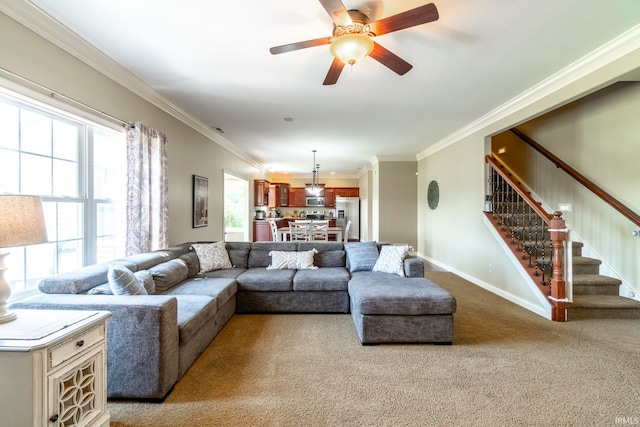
x=366 y=203
x=302 y=182
x=599 y=137
x=30 y=56
x=397 y=206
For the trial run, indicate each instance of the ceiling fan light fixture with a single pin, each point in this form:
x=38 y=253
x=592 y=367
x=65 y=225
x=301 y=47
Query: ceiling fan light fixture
x=351 y=48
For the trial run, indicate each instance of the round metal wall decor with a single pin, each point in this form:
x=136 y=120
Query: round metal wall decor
x=433 y=195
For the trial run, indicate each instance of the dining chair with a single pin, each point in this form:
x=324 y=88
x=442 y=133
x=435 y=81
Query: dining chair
x=274 y=230
x=298 y=230
x=346 y=231
x=318 y=230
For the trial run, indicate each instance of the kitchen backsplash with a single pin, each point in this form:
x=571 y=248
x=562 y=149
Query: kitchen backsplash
x=296 y=212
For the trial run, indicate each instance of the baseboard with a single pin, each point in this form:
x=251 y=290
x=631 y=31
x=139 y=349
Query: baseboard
x=539 y=310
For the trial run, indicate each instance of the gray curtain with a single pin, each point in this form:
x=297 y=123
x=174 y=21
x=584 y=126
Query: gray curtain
x=147 y=190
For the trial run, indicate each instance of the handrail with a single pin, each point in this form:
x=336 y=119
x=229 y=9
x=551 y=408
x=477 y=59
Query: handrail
x=514 y=233
x=608 y=198
x=535 y=205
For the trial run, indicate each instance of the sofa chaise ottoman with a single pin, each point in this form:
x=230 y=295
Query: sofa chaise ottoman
x=393 y=309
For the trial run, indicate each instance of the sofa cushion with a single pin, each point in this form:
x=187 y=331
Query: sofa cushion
x=261 y=279
x=123 y=282
x=239 y=253
x=362 y=256
x=330 y=254
x=382 y=293
x=391 y=259
x=145 y=260
x=259 y=254
x=168 y=274
x=322 y=279
x=193 y=264
x=291 y=260
x=75 y=282
x=220 y=289
x=194 y=313
x=227 y=273
x=212 y=256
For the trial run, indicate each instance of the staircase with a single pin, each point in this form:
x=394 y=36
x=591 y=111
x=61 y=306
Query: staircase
x=596 y=296
x=519 y=221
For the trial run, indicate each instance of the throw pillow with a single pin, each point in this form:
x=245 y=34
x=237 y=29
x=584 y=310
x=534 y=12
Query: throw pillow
x=362 y=256
x=391 y=259
x=292 y=260
x=146 y=279
x=212 y=256
x=123 y=282
x=143 y=277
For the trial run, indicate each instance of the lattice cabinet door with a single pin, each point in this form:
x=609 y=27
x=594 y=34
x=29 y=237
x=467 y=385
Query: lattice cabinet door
x=76 y=394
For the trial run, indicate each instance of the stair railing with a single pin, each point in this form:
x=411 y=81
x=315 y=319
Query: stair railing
x=535 y=237
x=588 y=184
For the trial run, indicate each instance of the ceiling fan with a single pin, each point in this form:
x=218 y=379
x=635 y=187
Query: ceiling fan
x=353 y=35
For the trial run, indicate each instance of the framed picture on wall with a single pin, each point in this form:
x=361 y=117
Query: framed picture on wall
x=200 y=201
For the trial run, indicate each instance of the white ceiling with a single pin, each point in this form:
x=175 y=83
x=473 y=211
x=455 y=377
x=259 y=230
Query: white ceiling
x=211 y=58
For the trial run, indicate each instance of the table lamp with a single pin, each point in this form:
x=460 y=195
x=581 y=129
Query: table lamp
x=21 y=224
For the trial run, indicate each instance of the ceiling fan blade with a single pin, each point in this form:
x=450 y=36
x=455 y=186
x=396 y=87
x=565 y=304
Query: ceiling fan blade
x=299 y=45
x=410 y=18
x=337 y=12
x=390 y=59
x=334 y=72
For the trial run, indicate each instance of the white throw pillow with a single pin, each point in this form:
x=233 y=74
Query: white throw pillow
x=391 y=259
x=292 y=260
x=212 y=256
x=123 y=282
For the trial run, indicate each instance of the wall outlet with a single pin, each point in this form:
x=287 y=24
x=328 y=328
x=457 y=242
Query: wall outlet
x=490 y=268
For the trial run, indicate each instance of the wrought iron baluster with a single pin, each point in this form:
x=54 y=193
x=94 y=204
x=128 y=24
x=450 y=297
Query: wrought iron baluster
x=519 y=223
x=535 y=247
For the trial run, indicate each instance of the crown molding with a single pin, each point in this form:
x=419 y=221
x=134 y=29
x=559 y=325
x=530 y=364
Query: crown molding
x=625 y=44
x=392 y=158
x=35 y=19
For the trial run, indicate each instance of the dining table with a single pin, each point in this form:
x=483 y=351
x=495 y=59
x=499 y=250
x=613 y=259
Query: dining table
x=283 y=233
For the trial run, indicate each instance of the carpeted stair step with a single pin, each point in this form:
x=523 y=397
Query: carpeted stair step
x=603 y=307
x=585 y=265
x=595 y=284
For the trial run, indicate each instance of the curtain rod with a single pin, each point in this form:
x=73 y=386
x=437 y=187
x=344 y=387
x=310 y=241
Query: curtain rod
x=68 y=98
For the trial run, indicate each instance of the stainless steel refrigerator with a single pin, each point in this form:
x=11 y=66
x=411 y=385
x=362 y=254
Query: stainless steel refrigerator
x=348 y=209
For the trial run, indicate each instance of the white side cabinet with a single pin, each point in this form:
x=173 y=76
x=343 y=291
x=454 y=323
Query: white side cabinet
x=53 y=369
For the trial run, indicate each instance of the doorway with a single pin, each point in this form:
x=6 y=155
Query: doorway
x=236 y=208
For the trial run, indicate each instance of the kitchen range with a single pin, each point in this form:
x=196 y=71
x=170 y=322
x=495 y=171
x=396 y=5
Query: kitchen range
x=315 y=215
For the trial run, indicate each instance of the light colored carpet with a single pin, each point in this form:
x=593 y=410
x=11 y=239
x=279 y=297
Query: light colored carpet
x=507 y=367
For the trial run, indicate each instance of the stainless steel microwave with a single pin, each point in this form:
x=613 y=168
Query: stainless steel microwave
x=315 y=201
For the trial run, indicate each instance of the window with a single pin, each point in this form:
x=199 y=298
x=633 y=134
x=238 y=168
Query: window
x=79 y=170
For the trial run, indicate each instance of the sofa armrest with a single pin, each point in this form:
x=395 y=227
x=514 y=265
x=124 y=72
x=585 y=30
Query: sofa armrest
x=413 y=267
x=142 y=339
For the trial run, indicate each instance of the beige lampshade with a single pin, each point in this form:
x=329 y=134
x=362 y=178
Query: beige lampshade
x=21 y=221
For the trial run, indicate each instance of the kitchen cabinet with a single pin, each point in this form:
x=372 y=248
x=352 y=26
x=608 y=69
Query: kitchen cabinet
x=261 y=231
x=260 y=192
x=329 y=197
x=53 y=365
x=347 y=192
x=278 y=195
x=297 y=197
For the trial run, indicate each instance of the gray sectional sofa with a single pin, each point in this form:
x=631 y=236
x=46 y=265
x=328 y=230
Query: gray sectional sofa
x=154 y=339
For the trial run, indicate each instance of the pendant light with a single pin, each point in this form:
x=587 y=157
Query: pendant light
x=314 y=189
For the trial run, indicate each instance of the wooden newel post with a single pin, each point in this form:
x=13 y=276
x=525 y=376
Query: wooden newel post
x=558 y=286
